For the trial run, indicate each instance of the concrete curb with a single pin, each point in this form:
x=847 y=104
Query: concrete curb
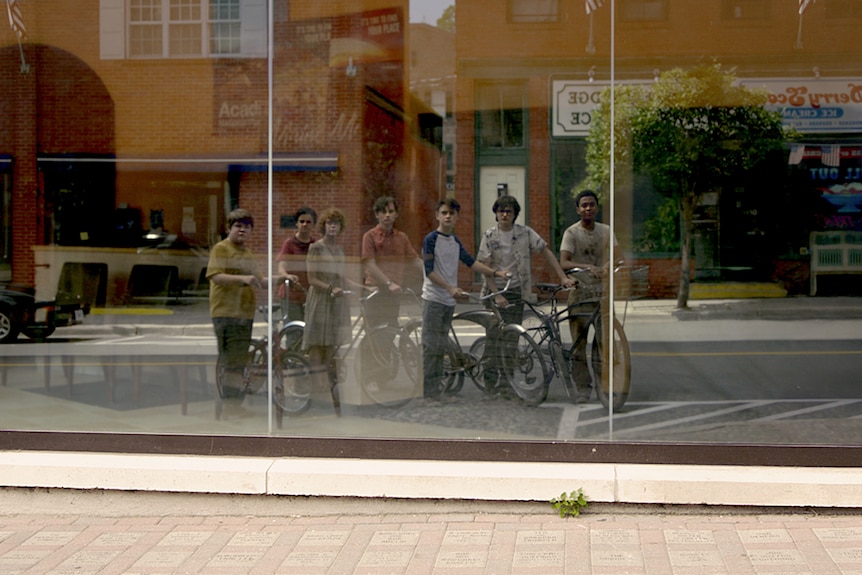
x=466 y=480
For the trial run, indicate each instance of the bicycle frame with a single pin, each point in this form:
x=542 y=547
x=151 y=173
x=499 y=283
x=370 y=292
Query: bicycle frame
x=548 y=332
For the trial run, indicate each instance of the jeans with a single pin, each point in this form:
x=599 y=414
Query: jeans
x=233 y=336
x=436 y=322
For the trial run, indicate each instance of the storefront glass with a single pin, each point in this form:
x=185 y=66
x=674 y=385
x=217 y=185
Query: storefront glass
x=133 y=130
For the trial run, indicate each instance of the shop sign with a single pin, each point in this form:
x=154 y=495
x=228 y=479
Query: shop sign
x=815 y=105
x=573 y=103
x=809 y=105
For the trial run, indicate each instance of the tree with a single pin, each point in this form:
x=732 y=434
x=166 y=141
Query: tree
x=447 y=20
x=689 y=132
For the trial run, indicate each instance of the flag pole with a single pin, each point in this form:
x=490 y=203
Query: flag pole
x=591 y=47
x=16 y=24
x=799 y=34
x=25 y=67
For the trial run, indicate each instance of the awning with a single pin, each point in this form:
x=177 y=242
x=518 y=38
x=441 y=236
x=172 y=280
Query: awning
x=292 y=162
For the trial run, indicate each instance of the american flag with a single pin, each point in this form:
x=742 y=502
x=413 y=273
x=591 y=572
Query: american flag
x=592 y=5
x=830 y=155
x=16 y=21
x=797 y=153
x=803 y=5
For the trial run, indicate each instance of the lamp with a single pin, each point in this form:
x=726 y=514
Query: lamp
x=816 y=71
x=655 y=74
x=592 y=74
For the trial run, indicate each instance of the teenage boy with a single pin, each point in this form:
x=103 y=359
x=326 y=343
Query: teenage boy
x=510 y=246
x=586 y=245
x=441 y=252
x=234 y=285
x=386 y=254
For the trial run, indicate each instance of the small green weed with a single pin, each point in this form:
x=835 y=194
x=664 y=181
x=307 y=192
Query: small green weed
x=571 y=504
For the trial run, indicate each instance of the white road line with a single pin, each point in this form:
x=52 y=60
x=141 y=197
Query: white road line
x=699 y=417
x=812 y=409
x=568 y=426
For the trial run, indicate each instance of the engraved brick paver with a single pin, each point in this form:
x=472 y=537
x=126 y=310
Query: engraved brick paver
x=382 y=536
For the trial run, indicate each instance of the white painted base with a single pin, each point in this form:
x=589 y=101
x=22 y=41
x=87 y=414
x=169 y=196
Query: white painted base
x=492 y=481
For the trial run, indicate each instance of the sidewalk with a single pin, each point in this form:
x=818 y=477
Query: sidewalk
x=195 y=321
x=105 y=532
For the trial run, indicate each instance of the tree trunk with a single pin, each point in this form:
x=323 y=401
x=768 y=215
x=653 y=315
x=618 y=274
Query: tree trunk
x=686 y=208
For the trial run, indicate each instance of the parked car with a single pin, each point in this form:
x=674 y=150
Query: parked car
x=21 y=313
x=187 y=259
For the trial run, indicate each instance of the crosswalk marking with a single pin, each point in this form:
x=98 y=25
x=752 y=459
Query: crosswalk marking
x=575 y=419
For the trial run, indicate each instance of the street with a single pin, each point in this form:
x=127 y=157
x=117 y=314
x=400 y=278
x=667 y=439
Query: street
x=715 y=380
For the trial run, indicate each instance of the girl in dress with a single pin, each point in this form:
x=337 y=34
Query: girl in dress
x=327 y=310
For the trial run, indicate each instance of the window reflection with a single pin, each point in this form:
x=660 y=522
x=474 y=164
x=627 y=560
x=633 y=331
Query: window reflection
x=123 y=151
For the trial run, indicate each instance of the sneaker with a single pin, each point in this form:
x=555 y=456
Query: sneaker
x=583 y=395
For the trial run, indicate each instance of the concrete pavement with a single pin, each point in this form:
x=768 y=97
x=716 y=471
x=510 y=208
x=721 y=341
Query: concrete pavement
x=104 y=532
x=194 y=319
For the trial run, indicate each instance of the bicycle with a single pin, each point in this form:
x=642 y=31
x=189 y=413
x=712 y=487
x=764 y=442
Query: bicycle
x=290 y=334
x=545 y=327
x=382 y=352
x=525 y=370
x=291 y=375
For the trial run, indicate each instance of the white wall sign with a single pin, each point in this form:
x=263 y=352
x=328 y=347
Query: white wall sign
x=815 y=105
x=572 y=105
x=810 y=105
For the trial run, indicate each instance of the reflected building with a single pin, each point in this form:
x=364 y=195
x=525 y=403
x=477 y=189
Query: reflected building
x=152 y=118
x=526 y=92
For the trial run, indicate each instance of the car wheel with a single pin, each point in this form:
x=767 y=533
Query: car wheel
x=8 y=327
x=38 y=333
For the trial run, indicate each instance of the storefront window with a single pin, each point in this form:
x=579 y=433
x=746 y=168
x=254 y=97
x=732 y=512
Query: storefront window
x=722 y=147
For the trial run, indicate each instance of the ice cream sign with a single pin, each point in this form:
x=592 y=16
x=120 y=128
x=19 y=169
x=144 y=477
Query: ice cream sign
x=815 y=105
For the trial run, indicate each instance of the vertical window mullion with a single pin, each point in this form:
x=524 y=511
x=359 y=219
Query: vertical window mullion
x=166 y=28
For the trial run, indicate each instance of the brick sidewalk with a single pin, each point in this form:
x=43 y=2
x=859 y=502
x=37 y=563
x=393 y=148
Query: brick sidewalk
x=62 y=532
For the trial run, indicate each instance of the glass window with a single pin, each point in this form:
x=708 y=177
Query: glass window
x=145 y=136
x=145 y=28
x=744 y=9
x=840 y=9
x=533 y=11
x=501 y=115
x=643 y=10
x=224 y=27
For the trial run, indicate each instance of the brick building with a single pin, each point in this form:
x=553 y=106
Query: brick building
x=517 y=131
x=148 y=117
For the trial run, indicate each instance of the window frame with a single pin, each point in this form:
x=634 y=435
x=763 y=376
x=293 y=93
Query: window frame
x=732 y=10
x=534 y=17
x=626 y=8
x=503 y=89
x=169 y=27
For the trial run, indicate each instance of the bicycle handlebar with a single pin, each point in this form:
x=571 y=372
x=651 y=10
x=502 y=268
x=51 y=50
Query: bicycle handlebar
x=491 y=294
x=294 y=285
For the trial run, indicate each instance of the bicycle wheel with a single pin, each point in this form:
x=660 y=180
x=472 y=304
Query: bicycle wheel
x=526 y=370
x=533 y=324
x=292 y=383
x=622 y=369
x=219 y=378
x=290 y=337
x=387 y=365
x=453 y=370
x=255 y=372
x=559 y=359
x=476 y=363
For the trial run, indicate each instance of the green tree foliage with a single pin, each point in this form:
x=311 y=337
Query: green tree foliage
x=447 y=20
x=689 y=132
